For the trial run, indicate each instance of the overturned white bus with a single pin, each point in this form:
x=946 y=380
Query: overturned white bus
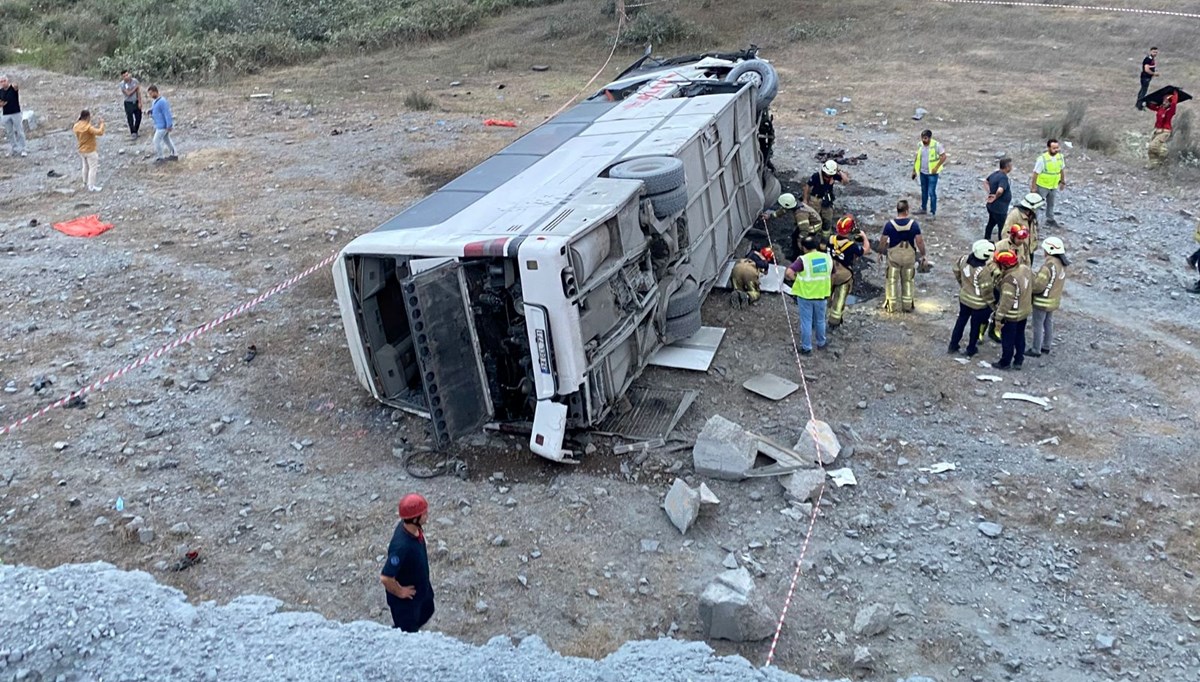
x=534 y=287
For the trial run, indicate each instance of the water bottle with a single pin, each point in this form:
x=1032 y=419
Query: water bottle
x=120 y=504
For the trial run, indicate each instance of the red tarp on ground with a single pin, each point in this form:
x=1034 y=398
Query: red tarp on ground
x=503 y=124
x=87 y=226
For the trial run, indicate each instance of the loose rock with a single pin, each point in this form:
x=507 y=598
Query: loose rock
x=682 y=505
x=724 y=450
x=731 y=608
x=872 y=620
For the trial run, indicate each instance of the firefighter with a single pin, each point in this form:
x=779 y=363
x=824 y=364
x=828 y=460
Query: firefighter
x=746 y=273
x=900 y=245
x=1013 y=309
x=976 y=275
x=1017 y=241
x=1025 y=215
x=1047 y=294
x=845 y=247
x=807 y=220
x=818 y=191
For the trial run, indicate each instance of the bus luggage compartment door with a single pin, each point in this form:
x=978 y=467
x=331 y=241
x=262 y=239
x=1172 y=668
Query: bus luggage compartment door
x=447 y=350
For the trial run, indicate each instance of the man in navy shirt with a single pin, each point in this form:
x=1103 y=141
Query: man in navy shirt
x=405 y=574
x=1148 y=73
x=998 y=198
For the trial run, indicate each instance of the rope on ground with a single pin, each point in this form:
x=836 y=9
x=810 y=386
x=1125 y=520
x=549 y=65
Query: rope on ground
x=784 y=299
x=1089 y=8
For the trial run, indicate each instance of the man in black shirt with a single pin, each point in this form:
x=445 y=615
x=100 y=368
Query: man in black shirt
x=998 y=196
x=1148 y=72
x=14 y=125
x=405 y=574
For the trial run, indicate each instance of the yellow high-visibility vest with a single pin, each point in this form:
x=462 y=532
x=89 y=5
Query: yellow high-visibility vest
x=815 y=280
x=1051 y=173
x=933 y=157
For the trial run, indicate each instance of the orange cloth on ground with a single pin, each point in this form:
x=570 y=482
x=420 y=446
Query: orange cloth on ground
x=87 y=226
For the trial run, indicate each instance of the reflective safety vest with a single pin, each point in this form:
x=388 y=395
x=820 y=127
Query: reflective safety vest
x=815 y=280
x=1051 y=174
x=1048 y=284
x=933 y=157
x=976 y=284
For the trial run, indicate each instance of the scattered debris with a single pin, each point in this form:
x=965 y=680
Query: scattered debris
x=732 y=609
x=640 y=446
x=842 y=477
x=707 y=496
x=872 y=620
x=498 y=123
x=540 y=67
x=839 y=155
x=1027 y=398
x=723 y=450
x=266 y=96
x=989 y=377
x=818 y=444
x=863 y=660
x=696 y=352
x=251 y=353
x=939 y=468
x=770 y=386
x=682 y=505
x=919 y=114
x=1105 y=642
x=803 y=485
x=991 y=530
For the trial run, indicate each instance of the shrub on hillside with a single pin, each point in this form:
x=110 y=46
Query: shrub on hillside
x=657 y=28
x=1183 y=148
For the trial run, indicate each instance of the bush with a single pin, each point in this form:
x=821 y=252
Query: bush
x=418 y=101
x=1096 y=138
x=199 y=59
x=1183 y=148
x=1063 y=127
x=657 y=28
x=817 y=30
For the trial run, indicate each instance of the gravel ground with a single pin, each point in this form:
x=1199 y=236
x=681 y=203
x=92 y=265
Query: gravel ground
x=283 y=474
x=131 y=628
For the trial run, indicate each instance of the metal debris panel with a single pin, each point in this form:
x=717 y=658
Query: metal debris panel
x=654 y=413
x=696 y=352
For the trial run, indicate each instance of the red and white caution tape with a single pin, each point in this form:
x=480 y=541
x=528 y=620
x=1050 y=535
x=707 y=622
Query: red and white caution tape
x=198 y=331
x=1090 y=8
x=785 y=299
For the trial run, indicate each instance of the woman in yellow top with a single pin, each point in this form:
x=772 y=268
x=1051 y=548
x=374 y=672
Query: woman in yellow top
x=87 y=133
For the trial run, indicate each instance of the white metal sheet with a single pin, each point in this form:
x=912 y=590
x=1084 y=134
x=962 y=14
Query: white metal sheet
x=695 y=352
x=771 y=386
x=771 y=282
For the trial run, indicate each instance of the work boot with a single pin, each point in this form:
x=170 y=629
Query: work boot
x=953 y=349
x=1195 y=288
x=1033 y=353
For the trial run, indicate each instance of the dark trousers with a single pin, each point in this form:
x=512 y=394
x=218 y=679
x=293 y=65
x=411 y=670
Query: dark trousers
x=929 y=192
x=133 y=116
x=995 y=220
x=1142 y=93
x=978 y=319
x=1012 y=343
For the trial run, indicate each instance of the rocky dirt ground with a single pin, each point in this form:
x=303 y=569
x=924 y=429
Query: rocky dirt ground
x=283 y=474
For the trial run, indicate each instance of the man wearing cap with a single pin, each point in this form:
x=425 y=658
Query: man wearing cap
x=931 y=156
x=976 y=275
x=1047 y=295
x=405 y=574
x=1049 y=176
x=818 y=192
x=1013 y=309
x=807 y=220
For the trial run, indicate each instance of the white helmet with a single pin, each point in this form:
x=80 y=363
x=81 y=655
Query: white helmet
x=1032 y=201
x=830 y=167
x=1054 y=246
x=788 y=201
x=983 y=249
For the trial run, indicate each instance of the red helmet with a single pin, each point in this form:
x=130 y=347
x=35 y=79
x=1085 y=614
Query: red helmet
x=768 y=254
x=845 y=225
x=412 y=506
x=1006 y=259
x=1018 y=232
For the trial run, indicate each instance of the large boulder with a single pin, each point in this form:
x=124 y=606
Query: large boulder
x=724 y=450
x=731 y=608
x=824 y=436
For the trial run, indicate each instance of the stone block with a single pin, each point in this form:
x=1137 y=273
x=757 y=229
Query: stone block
x=872 y=620
x=803 y=485
x=830 y=446
x=682 y=505
x=732 y=609
x=724 y=450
